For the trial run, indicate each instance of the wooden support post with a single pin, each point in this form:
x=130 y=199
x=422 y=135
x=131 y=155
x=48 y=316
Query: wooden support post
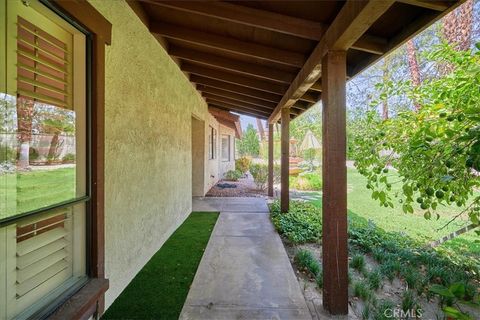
x=334 y=239
x=285 y=146
x=270 y=160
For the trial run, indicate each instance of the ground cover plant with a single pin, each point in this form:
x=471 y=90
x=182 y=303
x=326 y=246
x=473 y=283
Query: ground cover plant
x=159 y=290
x=386 y=268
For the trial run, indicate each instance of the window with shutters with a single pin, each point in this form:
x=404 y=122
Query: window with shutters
x=43 y=158
x=225 y=147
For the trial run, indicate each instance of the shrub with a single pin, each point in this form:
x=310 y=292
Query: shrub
x=242 y=164
x=319 y=279
x=374 y=279
x=361 y=290
x=68 y=158
x=33 y=154
x=358 y=262
x=411 y=277
x=381 y=311
x=391 y=268
x=233 y=175
x=303 y=223
x=306 y=260
x=307 y=182
x=366 y=312
x=7 y=154
x=260 y=175
x=408 y=301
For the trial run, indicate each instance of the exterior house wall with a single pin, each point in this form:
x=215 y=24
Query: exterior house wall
x=211 y=165
x=149 y=105
x=226 y=165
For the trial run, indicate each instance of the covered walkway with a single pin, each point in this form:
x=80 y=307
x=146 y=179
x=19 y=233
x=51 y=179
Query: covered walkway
x=245 y=272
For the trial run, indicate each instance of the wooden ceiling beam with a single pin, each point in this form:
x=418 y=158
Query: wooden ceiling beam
x=237 y=96
x=235 y=108
x=265 y=20
x=311 y=96
x=213 y=105
x=371 y=44
x=245 y=68
x=428 y=4
x=233 y=78
x=317 y=86
x=237 y=103
x=353 y=20
x=212 y=83
x=251 y=17
x=228 y=44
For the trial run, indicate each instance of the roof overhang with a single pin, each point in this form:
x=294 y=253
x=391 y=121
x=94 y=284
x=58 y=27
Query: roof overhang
x=227 y=119
x=255 y=58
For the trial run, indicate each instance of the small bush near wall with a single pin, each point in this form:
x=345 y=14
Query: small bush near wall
x=233 y=175
x=243 y=164
x=260 y=175
x=68 y=158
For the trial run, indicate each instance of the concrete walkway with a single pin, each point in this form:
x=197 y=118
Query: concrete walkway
x=245 y=272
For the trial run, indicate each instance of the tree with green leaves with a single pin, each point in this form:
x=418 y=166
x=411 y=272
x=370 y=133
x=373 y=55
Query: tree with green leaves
x=435 y=150
x=249 y=145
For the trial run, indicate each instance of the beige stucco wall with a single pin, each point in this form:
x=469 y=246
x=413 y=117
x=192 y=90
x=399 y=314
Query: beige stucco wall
x=211 y=165
x=149 y=105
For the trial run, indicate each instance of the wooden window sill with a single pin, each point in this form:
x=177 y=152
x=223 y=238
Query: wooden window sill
x=83 y=303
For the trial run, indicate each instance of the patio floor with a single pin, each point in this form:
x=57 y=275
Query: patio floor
x=245 y=272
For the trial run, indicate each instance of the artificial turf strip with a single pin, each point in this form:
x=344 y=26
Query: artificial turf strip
x=159 y=290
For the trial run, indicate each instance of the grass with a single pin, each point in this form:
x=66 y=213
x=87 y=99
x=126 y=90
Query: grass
x=361 y=205
x=26 y=191
x=358 y=262
x=306 y=260
x=159 y=290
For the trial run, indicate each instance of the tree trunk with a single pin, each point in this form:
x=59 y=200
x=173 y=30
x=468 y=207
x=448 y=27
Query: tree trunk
x=414 y=67
x=457 y=26
x=261 y=131
x=52 y=151
x=465 y=22
x=457 y=31
x=24 y=124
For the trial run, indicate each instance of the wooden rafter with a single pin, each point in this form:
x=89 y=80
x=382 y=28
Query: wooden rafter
x=251 y=17
x=233 y=78
x=228 y=44
x=311 y=96
x=237 y=96
x=350 y=24
x=429 y=4
x=234 y=102
x=229 y=107
x=267 y=20
x=263 y=95
x=241 y=67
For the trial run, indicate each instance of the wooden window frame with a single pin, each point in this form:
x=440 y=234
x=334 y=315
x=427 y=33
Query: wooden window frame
x=90 y=299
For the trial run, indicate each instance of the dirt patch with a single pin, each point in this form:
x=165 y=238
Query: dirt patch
x=244 y=187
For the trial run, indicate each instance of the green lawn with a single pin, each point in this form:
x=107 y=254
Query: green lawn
x=414 y=225
x=27 y=191
x=159 y=290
